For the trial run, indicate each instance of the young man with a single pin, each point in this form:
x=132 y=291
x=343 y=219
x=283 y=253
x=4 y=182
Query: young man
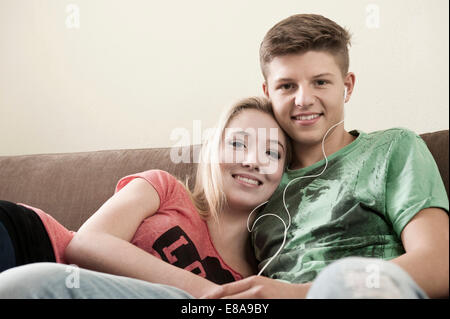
x=376 y=195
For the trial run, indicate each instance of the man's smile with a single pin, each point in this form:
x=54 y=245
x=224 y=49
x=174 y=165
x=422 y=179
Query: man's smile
x=306 y=119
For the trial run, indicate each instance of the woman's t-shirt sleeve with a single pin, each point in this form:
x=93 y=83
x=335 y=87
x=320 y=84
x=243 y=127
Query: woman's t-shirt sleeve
x=166 y=185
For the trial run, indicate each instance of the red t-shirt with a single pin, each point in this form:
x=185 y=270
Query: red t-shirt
x=176 y=233
x=59 y=236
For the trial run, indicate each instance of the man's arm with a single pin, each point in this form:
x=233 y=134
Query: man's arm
x=425 y=239
x=426 y=242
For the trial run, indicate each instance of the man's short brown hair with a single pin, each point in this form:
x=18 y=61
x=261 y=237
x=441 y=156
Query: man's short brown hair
x=305 y=32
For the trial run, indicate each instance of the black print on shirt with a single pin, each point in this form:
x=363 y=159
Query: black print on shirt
x=176 y=248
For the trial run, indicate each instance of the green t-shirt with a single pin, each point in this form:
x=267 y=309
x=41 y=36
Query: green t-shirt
x=359 y=206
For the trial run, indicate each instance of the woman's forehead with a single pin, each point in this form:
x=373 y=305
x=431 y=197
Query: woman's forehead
x=253 y=119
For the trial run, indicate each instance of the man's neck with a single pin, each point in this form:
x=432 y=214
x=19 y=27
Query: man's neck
x=307 y=154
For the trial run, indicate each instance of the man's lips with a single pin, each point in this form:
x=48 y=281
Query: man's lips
x=306 y=118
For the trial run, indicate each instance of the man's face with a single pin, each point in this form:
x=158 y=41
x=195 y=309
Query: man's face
x=307 y=93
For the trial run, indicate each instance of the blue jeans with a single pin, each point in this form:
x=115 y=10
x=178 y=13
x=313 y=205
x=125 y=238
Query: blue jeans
x=60 y=281
x=347 y=278
x=364 y=278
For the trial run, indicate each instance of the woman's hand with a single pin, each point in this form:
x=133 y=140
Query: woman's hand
x=258 y=287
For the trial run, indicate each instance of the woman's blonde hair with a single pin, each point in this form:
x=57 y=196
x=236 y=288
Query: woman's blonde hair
x=207 y=194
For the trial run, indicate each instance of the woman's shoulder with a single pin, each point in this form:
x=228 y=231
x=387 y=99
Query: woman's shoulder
x=166 y=184
x=154 y=176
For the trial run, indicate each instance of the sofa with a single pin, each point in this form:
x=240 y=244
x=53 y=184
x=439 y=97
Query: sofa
x=72 y=186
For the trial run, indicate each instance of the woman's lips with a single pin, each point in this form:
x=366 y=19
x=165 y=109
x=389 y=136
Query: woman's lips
x=246 y=180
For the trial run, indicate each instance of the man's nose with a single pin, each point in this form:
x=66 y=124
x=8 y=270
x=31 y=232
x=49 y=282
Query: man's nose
x=303 y=97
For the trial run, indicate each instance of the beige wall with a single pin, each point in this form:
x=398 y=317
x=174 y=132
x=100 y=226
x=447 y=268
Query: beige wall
x=133 y=71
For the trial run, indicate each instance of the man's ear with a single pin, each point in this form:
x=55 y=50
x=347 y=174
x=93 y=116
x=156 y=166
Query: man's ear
x=265 y=89
x=349 y=82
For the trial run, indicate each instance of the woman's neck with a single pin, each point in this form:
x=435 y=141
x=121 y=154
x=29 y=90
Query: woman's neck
x=230 y=227
x=231 y=239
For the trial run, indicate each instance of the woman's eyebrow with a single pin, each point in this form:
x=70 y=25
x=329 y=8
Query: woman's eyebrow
x=269 y=140
x=277 y=142
x=234 y=134
x=241 y=132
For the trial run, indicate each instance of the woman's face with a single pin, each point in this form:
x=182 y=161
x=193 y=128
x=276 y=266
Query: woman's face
x=252 y=158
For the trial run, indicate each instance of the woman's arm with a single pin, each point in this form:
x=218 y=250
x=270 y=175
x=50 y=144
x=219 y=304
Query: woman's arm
x=103 y=241
x=425 y=239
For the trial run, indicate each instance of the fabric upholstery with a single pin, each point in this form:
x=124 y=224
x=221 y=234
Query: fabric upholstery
x=72 y=186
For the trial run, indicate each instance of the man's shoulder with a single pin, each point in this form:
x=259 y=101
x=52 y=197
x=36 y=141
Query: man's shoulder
x=391 y=136
x=395 y=132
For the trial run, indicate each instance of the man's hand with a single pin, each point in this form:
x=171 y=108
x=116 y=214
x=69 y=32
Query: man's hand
x=258 y=287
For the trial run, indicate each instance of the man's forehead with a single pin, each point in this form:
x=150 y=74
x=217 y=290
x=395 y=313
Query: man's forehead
x=290 y=67
x=282 y=78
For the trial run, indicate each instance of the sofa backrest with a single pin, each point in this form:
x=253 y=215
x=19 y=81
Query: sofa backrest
x=72 y=186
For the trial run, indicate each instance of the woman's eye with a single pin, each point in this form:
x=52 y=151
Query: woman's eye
x=237 y=144
x=274 y=154
x=321 y=82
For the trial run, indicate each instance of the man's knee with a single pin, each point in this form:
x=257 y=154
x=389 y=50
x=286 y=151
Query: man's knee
x=356 y=277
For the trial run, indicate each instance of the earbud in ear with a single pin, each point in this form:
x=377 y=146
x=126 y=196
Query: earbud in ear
x=345 y=93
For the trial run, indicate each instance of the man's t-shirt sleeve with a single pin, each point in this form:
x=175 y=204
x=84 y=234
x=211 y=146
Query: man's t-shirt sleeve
x=413 y=181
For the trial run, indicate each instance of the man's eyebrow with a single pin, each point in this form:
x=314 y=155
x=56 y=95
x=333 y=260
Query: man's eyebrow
x=314 y=77
x=323 y=74
x=284 y=80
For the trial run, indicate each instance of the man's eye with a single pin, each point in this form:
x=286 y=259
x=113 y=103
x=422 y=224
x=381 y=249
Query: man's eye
x=286 y=86
x=321 y=82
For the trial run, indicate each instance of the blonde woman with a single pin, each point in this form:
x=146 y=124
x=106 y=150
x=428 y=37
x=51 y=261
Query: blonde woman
x=154 y=230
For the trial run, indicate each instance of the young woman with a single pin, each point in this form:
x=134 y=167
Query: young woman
x=155 y=229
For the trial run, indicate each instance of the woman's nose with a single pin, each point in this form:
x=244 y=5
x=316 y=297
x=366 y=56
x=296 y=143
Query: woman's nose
x=251 y=160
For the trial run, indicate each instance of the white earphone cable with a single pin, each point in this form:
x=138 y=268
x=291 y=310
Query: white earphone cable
x=286 y=227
